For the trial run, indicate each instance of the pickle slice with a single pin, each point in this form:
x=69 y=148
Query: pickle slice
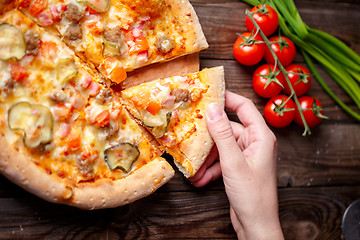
x=97 y=5
x=34 y=120
x=12 y=42
x=65 y=70
x=151 y=121
x=110 y=49
x=160 y=131
x=121 y=156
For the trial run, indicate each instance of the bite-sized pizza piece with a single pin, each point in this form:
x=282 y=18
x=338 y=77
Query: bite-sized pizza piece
x=173 y=110
x=118 y=36
x=64 y=135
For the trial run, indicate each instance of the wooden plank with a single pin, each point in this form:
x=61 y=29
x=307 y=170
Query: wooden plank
x=315 y=212
x=305 y=213
x=221 y=20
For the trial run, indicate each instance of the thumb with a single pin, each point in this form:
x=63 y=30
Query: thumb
x=220 y=130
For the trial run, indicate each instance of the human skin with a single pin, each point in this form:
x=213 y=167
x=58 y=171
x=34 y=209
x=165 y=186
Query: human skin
x=247 y=162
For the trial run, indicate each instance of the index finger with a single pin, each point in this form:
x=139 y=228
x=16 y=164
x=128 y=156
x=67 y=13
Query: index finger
x=245 y=109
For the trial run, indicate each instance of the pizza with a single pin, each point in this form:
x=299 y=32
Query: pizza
x=70 y=137
x=173 y=110
x=120 y=36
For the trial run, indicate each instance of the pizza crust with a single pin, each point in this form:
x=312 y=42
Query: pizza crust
x=179 y=66
x=108 y=194
x=195 y=38
x=103 y=193
x=196 y=148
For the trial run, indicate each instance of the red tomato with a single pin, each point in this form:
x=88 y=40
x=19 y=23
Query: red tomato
x=36 y=6
x=266 y=17
x=266 y=81
x=285 y=50
x=279 y=111
x=18 y=72
x=312 y=110
x=248 y=52
x=300 y=79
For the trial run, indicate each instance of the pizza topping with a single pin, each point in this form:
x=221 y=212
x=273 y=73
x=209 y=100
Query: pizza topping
x=64 y=130
x=18 y=72
x=94 y=25
x=113 y=35
x=97 y=5
x=103 y=118
x=164 y=44
x=104 y=95
x=73 y=13
x=65 y=70
x=108 y=131
x=86 y=161
x=181 y=94
x=73 y=32
x=35 y=121
x=94 y=88
x=58 y=96
x=113 y=41
x=62 y=111
x=36 y=6
x=57 y=11
x=139 y=45
x=77 y=101
x=73 y=140
x=45 y=18
x=160 y=131
x=197 y=93
x=32 y=42
x=8 y=85
x=121 y=156
x=113 y=69
x=142 y=57
x=12 y=42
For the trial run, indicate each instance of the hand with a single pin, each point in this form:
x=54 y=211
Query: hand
x=247 y=154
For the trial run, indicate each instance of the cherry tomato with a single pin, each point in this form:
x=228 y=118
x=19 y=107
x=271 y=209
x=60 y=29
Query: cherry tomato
x=284 y=49
x=266 y=17
x=279 y=111
x=312 y=110
x=266 y=81
x=246 y=51
x=300 y=79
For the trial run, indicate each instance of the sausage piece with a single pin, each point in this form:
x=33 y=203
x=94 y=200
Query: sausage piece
x=73 y=13
x=58 y=96
x=32 y=42
x=181 y=95
x=113 y=35
x=164 y=44
x=73 y=32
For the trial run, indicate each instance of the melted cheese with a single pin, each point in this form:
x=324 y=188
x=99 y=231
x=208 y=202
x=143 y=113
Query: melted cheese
x=76 y=151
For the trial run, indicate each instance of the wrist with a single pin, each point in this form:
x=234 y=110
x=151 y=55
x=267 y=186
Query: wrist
x=262 y=229
x=261 y=233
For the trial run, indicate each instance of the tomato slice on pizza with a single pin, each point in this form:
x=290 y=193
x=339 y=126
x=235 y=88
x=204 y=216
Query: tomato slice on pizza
x=123 y=35
x=173 y=110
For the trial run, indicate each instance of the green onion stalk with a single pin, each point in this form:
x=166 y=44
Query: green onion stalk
x=340 y=61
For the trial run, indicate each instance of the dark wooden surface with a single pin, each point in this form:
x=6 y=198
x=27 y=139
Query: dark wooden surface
x=318 y=175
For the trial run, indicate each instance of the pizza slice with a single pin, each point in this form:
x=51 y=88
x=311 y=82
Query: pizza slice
x=118 y=36
x=64 y=135
x=173 y=110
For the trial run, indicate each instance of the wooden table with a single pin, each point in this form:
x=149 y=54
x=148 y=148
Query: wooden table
x=318 y=175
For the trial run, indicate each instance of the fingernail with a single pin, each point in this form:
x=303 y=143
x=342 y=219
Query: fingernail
x=214 y=112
